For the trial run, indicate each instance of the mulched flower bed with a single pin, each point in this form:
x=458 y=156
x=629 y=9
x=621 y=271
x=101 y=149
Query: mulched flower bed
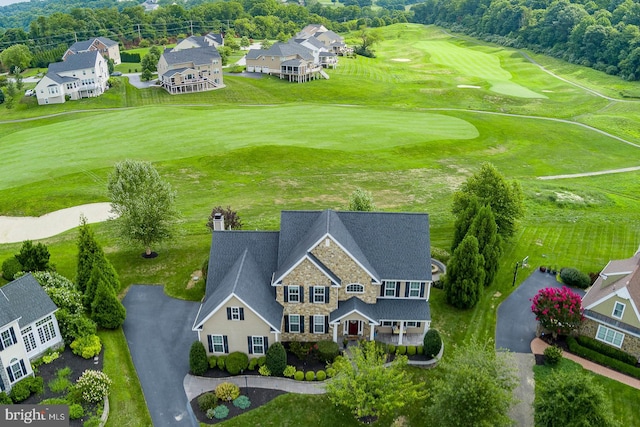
x=257 y=396
x=77 y=365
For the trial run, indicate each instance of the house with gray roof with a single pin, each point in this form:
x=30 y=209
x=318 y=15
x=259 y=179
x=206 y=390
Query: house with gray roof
x=611 y=306
x=210 y=39
x=28 y=328
x=108 y=48
x=332 y=41
x=326 y=275
x=189 y=67
x=81 y=75
x=291 y=61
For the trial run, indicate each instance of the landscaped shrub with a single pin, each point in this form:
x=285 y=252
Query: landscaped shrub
x=59 y=385
x=262 y=360
x=289 y=371
x=213 y=362
x=93 y=385
x=264 y=371
x=221 y=412
x=74 y=326
x=321 y=375
x=50 y=356
x=310 y=376
x=391 y=349
x=253 y=363
x=20 y=391
x=420 y=350
x=198 y=362
x=594 y=356
x=401 y=350
x=5 y=399
x=552 y=355
x=574 y=277
x=301 y=350
x=432 y=343
x=411 y=350
x=87 y=346
x=35 y=384
x=222 y=361
x=276 y=359
x=607 y=350
x=54 y=401
x=242 y=402
x=227 y=391
x=440 y=254
x=327 y=351
x=76 y=411
x=10 y=267
x=236 y=362
x=298 y=376
x=331 y=371
x=207 y=401
x=210 y=413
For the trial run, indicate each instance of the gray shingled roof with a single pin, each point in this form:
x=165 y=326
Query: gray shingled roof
x=196 y=55
x=241 y=263
x=78 y=61
x=86 y=44
x=25 y=299
x=292 y=63
x=385 y=309
x=282 y=49
x=61 y=79
x=311 y=40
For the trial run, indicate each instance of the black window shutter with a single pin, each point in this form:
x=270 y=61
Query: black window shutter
x=418 y=325
x=1 y=345
x=326 y=324
x=266 y=344
x=228 y=313
x=13 y=336
x=286 y=294
x=311 y=326
x=422 y=285
x=250 y=344
x=311 y=294
x=286 y=323
x=326 y=294
x=407 y=285
x=241 y=313
x=382 y=289
x=397 y=289
x=24 y=369
x=301 y=293
x=226 y=343
x=210 y=339
x=10 y=374
x=301 y=324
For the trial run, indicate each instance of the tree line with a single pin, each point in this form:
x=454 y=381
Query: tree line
x=604 y=35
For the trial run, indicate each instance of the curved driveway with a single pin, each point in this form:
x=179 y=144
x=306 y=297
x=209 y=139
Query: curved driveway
x=158 y=332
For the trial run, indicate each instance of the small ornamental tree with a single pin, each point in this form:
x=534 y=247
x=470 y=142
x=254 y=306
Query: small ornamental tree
x=276 y=359
x=33 y=257
x=106 y=309
x=361 y=200
x=198 y=362
x=231 y=219
x=558 y=310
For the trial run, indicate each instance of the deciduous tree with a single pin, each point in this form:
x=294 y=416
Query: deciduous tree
x=17 y=55
x=465 y=274
x=557 y=310
x=144 y=203
x=361 y=200
x=232 y=220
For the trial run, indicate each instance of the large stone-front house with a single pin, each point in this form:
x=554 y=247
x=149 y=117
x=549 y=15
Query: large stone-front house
x=81 y=75
x=611 y=306
x=326 y=275
x=28 y=328
x=194 y=65
x=107 y=48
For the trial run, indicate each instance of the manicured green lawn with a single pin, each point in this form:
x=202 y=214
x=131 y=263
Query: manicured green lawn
x=403 y=130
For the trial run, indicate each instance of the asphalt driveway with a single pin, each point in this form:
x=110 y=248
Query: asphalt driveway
x=158 y=332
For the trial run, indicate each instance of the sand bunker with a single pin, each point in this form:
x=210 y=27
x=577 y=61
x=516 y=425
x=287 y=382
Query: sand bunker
x=401 y=60
x=468 y=87
x=17 y=229
x=547 y=91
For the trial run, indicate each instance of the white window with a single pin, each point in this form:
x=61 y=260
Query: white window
x=235 y=313
x=389 y=289
x=7 y=338
x=294 y=323
x=294 y=293
x=618 y=310
x=29 y=339
x=218 y=343
x=16 y=369
x=46 y=331
x=318 y=324
x=387 y=323
x=318 y=294
x=410 y=324
x=355 y=288
x=610 y=336
x=258 y=345
x=414 y=289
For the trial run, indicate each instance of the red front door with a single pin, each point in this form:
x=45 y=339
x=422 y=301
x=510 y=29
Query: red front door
x=353 y=327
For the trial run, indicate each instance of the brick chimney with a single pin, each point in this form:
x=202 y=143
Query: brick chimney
x=218 y=222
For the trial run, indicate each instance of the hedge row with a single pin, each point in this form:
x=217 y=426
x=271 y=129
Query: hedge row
x=601 y=359
x=310 y=376
x=607 y=350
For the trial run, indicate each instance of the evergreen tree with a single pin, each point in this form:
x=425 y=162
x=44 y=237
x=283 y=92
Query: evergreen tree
x=465 y=274
x=463 y=221
x=33 y=257
x=86 y=254
x=106 y=310
x=485 y=229
x=92 y=286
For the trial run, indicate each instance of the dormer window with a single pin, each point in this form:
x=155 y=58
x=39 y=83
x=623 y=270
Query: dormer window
x=618 y=310
x=389 y=289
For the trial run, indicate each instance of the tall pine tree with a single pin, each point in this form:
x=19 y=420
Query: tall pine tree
x=106 y=309
x=463 y=220
x=465 y=274
x=87 y=247
x=484 y=229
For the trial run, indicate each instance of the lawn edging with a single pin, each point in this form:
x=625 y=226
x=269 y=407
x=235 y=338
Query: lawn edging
x=105 y=412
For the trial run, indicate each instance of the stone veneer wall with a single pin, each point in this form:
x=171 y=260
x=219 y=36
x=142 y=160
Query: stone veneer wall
x=630 y=344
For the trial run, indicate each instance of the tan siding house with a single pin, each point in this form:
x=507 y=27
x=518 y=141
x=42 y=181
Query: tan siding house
x=192 y=69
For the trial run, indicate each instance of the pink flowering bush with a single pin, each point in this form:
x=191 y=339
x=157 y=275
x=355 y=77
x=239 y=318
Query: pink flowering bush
x=558 y=310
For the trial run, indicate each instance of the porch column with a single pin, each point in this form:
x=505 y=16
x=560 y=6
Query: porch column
x=335 y=333
x=371 y=331
x=401 y=333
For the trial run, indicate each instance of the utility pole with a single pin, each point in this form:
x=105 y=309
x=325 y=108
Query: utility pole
x=139 y=35
x=191 y=22
x=515 y=274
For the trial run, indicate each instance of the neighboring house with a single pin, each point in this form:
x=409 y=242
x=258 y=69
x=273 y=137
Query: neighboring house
x=611 y=306
x=211 y=39
x=28 y=328
x=107 y=48
x=326 y=275
x=290 y=60
x=150 y=5
x=334 y=42
x=189 y=67
x=81 y=75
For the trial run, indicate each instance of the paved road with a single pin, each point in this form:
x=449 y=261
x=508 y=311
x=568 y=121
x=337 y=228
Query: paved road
x=158 y=332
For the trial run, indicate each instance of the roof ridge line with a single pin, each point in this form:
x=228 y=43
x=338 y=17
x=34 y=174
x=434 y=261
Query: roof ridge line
x=237 y=279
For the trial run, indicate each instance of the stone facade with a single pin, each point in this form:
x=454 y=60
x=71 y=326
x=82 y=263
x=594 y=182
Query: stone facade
x=630 y=344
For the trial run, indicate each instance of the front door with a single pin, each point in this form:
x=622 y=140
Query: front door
x=353 y=327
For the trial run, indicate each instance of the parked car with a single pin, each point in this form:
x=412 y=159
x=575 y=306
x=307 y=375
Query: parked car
x=116 y=73
x=30 y=92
